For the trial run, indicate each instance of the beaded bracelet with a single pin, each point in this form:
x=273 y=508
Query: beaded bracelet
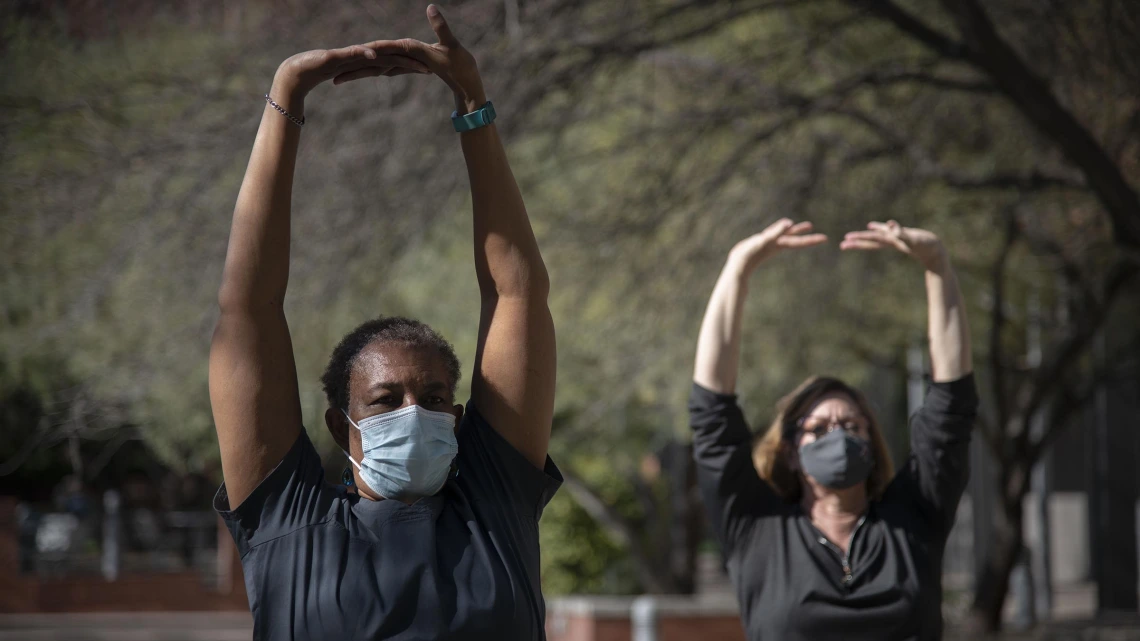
x=300 y=122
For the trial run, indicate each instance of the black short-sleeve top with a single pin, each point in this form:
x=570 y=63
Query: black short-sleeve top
x=321 y=563
x=791 y=583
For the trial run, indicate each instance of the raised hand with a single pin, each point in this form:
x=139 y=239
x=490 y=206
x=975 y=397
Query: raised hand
x=450 y=61
x=919 y=244
x=299 y=74
x=780 y=235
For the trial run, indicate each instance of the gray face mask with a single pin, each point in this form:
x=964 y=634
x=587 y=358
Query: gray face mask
x=838 y=459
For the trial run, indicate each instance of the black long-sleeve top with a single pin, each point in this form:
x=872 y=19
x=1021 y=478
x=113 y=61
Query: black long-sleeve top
x=790 y=581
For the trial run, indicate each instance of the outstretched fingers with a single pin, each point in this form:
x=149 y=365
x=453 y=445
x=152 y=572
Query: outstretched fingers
x=800 y=227
x=367 y=72
x=370 y=72
x=377 y=65
x=871 y=240
x=805 y=240
x=350 y=54
x=789 y=234
x=386 y=60
x=785 y=233
x=407 y=47
x=863 y=245
x=776 y=229
x=440 y=27
x=891 y=226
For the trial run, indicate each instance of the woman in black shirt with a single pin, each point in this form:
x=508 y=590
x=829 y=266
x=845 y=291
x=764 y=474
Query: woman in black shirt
x=822 y=538
x=440 y=538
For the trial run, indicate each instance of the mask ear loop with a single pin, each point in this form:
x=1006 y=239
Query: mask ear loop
x=346 y=474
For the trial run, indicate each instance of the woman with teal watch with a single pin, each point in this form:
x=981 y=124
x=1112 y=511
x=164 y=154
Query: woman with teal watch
x=439 y=538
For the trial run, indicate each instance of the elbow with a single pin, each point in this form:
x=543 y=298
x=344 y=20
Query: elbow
x=538 y=286
x=532 y=284
x=233 y=299
x=228 y=298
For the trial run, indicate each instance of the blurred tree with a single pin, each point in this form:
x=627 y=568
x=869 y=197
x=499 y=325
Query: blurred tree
x=648 y=137
x=1020 y=118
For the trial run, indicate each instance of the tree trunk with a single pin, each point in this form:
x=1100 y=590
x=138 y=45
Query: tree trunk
x=685 y=517
x=993 y=584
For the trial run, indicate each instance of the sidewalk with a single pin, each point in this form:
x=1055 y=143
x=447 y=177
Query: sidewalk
x=237 y=626
x=127 y=626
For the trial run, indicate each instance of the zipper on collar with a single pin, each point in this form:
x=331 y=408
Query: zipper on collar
x=844 y=559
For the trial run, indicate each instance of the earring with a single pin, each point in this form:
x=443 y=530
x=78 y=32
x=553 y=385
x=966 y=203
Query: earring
x=346 y=476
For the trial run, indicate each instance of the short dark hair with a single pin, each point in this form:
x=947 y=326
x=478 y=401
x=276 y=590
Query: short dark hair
x=387 y=329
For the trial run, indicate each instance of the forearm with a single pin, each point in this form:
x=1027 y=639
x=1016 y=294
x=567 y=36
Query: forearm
x=949 y=331
x=718 y=345
x=507 y=259
x=257 y=260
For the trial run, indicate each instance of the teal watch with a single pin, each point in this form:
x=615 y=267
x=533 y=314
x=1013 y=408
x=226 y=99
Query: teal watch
x=481 y=117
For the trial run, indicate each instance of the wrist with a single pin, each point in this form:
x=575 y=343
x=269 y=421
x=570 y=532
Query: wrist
x=470 y=100
x=738 y=267
x=288 y=92
x=938 y=263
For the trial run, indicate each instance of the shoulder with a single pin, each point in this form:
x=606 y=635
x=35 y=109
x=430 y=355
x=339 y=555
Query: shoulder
x=292 y=497
x=490 y=468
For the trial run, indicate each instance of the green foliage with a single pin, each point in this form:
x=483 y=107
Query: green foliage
x=577 y=557
x=123 y=156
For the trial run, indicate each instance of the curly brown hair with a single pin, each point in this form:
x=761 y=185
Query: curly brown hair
x=768 y=450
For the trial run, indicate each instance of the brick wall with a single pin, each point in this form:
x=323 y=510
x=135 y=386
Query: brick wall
x=174 y=591
x=608 y=619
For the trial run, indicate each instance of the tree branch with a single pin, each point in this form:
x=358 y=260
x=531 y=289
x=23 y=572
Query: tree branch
x=1034 y=392
x=625 y=44
x=983 y=47
x=926 y=166
x=938 y=82
x=915 y=28
x=30 y=446
x=617 y=527
x=1073 y=398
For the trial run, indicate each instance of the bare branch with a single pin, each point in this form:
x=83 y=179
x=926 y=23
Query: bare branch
x=617 y=527
x=926 y=166
x=1031 y=180
x=938 y=82
x=627 y=43
x=983 y=47
x=30 y=446
x=1073 y=398
x=915 y=28
x=1039 y=387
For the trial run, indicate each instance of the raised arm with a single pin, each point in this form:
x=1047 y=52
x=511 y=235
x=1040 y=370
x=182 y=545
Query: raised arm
x=938 y=468
x=733 y=493
x=253 y=379
x=515 y=362
x=950 y=357
x=718 y=345
x=950 y=352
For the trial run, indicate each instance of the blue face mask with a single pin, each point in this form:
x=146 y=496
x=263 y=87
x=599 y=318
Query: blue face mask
x=407 y=453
